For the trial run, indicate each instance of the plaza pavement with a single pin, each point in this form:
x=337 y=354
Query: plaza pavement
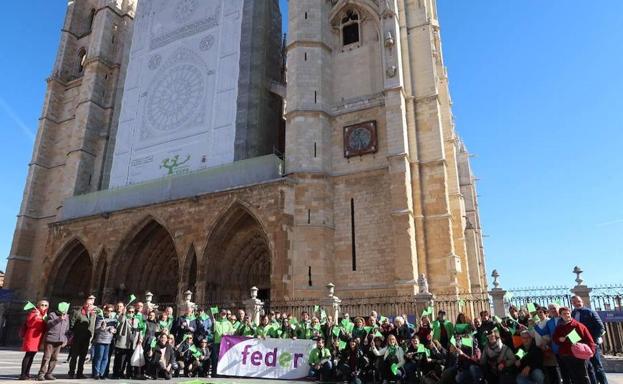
x=10 y=365
x=11 y=360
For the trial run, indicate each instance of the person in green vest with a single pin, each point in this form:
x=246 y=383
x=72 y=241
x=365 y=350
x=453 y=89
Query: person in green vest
x=320 y=364
x=443 y=330
x=222 y=327
x=304 y=330
x=266 y=329
x=246 y=327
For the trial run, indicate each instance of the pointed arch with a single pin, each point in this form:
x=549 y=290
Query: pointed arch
x=147 y=261
x=190 y=272
x=238 y=254
x=70 y=278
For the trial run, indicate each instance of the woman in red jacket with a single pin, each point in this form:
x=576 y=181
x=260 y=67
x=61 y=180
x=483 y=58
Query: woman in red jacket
x=34 y=329
x=575 y=368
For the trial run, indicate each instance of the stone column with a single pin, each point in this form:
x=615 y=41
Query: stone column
x=332 y=302
x=423 y=299
x=497 y=294
x=254 y=306
x=580 y=289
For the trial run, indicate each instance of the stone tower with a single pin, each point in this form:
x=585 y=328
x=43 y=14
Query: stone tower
x=79 y=112
x=384 y=185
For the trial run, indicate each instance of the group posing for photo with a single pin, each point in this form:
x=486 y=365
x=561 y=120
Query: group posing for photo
x=532 y=345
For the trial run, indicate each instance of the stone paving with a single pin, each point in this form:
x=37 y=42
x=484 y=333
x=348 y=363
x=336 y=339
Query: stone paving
x=10 y=365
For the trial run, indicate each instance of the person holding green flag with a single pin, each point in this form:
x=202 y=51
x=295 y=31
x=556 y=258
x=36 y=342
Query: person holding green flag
x=160 y=358
x=222 y=327
x=567 y=335
x=443 y=329
x=187 y=323
x=32 y=331
x=204 y=326
x=359 y=331
x=304 y=330
x=393 y=359
x=246 y=327
x=127 y=338
x=187 y=356
x=55 y=338
x=352 y=361
x=105 y=329
x=320 y=362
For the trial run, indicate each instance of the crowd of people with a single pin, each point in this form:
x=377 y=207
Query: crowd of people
x=532 y=345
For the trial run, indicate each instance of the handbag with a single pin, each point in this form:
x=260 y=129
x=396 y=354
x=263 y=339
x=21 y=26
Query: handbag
x=138 y=357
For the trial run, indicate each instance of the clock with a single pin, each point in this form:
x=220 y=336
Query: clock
x=360 y=139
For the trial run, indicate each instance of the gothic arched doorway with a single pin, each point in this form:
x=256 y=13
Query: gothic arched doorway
x=70 y=280
x=148 y=262
x=239 y=257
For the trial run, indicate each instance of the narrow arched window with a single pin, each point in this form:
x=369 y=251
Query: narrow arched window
x=91 y=18
x=350 y=28
x=82 y=57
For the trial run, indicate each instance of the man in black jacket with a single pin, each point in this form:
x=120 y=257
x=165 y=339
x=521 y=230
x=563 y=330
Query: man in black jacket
x=160 y=358
x=595 y=326
x=82 y=325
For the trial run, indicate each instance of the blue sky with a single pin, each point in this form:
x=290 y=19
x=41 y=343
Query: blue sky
x=537 y=98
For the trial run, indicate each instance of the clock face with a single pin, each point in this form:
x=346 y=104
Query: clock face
x=360 y=139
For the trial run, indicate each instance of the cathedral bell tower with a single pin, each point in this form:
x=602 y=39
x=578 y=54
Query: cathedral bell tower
x=71 y=152
x=370 y=140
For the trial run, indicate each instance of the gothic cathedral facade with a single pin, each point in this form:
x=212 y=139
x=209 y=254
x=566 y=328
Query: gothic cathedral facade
x=359 y=178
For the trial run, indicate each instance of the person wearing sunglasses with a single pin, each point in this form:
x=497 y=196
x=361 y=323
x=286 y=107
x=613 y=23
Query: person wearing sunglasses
x=124 y=343
x=32 y=332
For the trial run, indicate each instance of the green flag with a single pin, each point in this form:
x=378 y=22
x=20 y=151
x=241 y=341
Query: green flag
x=378 y=334
x=132 y=298
x=323 y=315
x=316 y=308
x=497 y=319
x=63 y=307
x=367 y=329
x=520 y=353
x=382 y=319
x=531 y=308
x=341 y=345
x=153 y=343
x=336 y=331
x=294 y=321
x=394 y=368
x=422 y=349
x=467 y=341
x=461 y=304
x=427 y=312
x=29 y=306
x=574 y=337
x=214 y=310
x=461 y=328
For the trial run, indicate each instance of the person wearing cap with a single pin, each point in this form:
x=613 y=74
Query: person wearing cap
x=576 y=368
x=32 y=332
x=82 y=326
x=443 y=330
x=55 y=338
x=222 y=327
